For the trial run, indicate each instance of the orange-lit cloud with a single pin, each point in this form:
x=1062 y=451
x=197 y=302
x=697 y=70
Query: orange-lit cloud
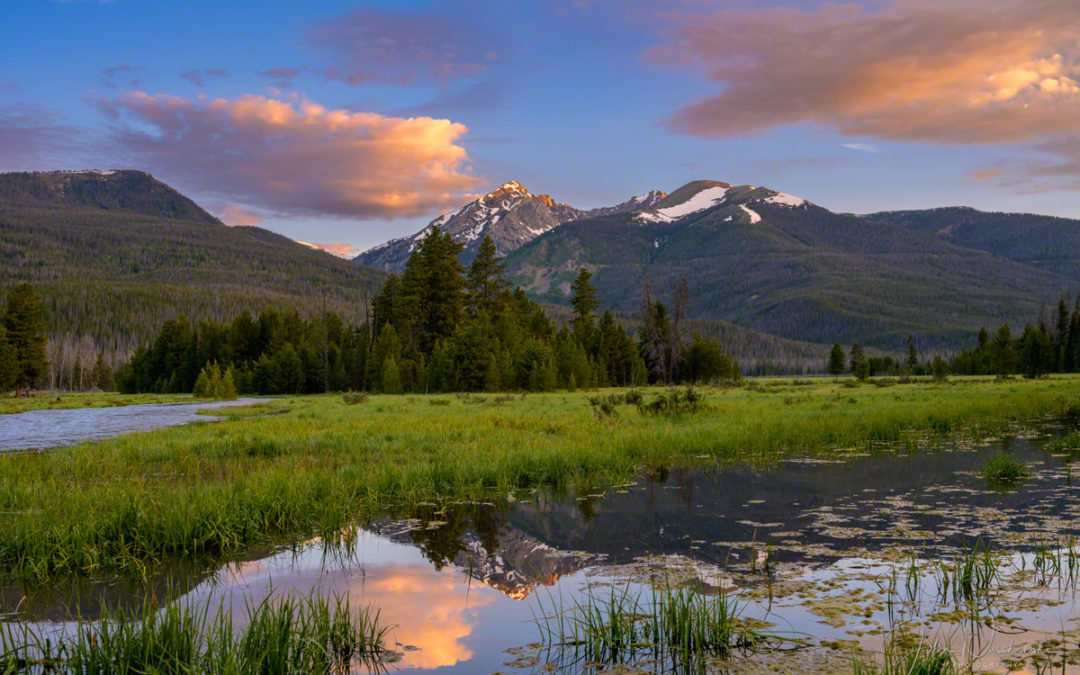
x=338 y=248
x=958 y=72
x=429 y=609
x=238 y=216
x=294 y=156
x=986 y=174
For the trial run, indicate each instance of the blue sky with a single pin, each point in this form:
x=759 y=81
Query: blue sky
x=357 y=122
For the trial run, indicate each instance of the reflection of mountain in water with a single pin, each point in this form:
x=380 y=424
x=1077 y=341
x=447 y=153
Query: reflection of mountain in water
x=478 y=539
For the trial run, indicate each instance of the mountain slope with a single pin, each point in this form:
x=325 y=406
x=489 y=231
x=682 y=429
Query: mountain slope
x=511 y=216
x=112 y=264
x=1046 y=242
x=779 y=264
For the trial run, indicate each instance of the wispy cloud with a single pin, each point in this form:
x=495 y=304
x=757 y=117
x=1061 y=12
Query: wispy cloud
x=294 y=156
x=367 y=45
x=196 y=76
x=33 y=137
x=861 y=147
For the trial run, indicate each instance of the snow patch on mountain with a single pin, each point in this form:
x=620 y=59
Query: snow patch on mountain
x=755 y=217
x=705 y=199
x=784 y=200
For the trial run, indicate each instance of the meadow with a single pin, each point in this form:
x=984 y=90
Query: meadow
x=307 y=466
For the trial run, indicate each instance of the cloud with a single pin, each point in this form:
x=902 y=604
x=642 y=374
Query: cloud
x=861 y=147
x=986 y=174
x=294 y=156
x=280 y=73
x=475 y=96
x=367 y=45
x=238 y=216
x=33 y=137
x=196 y=76
x=5 y=83
x=338 y=248
x=961 y=72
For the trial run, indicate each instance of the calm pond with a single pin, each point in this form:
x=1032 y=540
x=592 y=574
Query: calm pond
x=825 y=556
x=40 y=429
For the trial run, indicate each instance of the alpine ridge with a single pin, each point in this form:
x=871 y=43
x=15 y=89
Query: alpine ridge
x=511 y=215
x=776 y=263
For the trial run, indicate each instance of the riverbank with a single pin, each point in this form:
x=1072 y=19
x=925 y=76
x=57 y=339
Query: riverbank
x=51 y=400
x=323 y=465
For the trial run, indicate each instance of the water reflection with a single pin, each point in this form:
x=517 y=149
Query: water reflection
x=457 y=580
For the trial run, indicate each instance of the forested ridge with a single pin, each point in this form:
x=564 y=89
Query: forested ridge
x=437 y=327
x=802 y=273
x=116 y=255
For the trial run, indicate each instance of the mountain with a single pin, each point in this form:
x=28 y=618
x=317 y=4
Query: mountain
x=131 y=192
x=510 y=215
x=1046 y=242
x=779 y=264
x=116 y=253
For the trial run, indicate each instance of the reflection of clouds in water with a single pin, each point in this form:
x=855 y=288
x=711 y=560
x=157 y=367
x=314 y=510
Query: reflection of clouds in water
x=434 y=610
x=430 y=609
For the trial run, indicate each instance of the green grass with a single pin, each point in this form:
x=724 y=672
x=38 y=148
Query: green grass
x=286 y=635
x=321 y=467
x=919 y=660
x=1003 y=469
x=60 y=401
x=671 y=625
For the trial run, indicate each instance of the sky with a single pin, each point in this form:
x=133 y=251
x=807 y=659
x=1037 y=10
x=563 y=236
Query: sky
x=350 y=123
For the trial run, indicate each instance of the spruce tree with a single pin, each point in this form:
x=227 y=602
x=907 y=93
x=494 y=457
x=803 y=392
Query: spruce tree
x=8 y=363
x=912 y=361
x=837 y=360
x=860 y=366
x=24 y=320
x=583 y=298
x=1002 y=353
x=487 y=283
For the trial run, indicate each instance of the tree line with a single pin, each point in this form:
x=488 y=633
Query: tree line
x=22 y=340
x=1050 y=344
x=437 y=327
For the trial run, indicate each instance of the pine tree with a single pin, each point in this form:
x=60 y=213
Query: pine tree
x=391 y=377
x=860 y=366
x=583 y=298
x=24 y=320
x=487 y=283
x=912 y=362
x=940 y=369
x=1002 y=353
x=837 y=360
x=8 y=362
x=103 y=375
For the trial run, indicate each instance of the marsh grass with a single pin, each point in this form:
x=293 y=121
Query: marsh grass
x=922 y=659
x=322 y=467
x=672 y=625
x=286 y=635
x=1004 y=470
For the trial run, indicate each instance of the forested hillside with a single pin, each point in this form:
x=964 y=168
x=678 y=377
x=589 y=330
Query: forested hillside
x=781 y=265
x=1045 y=242
x=116 y=254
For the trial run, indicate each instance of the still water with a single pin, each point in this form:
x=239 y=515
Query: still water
x=40 y=429
x=820 y=552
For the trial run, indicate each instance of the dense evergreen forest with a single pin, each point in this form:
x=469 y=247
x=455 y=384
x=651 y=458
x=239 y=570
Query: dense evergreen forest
x=437 y=327
x=115 y=254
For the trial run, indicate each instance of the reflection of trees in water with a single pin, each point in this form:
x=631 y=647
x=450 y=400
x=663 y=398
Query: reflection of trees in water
x=442 y=544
